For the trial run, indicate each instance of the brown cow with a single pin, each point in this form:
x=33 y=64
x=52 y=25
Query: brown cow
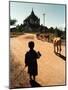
x=46 y=36
x=38 y=36
x=57 y=44
x=42 y=37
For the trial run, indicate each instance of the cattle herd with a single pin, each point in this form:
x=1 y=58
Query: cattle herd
x=56 y=41
x=43 y=37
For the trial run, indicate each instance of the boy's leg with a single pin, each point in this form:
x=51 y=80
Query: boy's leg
x=30 y=76
x=34 y=77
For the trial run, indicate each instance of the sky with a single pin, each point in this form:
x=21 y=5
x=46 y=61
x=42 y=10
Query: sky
x=54 y=13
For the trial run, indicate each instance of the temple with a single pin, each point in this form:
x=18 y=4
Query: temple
x=32 y=22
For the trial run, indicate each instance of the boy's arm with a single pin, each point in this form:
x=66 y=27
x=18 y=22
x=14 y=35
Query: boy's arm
x=26 y=60
x=38 y=54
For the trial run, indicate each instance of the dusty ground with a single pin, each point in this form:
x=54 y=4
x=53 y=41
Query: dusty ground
x=51 y=68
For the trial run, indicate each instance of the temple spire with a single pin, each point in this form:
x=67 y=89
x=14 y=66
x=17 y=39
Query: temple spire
x=32 y=11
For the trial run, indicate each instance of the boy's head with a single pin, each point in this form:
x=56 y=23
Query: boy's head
x=31 y=44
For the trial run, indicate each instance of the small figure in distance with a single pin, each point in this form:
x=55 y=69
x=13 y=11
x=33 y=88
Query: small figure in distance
x=31 y=60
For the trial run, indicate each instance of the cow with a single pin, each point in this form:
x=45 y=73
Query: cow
x=57 y=44
x=46 y=37
x=42 y=37
x=38 y=36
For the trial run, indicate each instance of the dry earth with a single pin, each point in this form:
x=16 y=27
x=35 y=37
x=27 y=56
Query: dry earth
x=51 y=68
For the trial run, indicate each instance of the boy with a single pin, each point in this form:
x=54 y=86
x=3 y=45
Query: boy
x=31 y=60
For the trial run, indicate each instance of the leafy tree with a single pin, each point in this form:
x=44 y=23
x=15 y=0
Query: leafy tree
x=19 y=28
x=58 y=32
x=51 y=30
x=12 y=21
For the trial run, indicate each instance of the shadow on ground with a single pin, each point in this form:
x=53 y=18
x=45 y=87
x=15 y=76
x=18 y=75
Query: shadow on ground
x=34 y=83
x=61 y=56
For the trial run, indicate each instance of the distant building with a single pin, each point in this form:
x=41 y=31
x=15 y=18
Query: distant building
x=12 y=28
x=32 y=22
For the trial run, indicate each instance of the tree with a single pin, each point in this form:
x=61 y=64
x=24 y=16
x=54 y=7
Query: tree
x=58 y=32
x=13 y=21
x=51 y=30
x=19 y=28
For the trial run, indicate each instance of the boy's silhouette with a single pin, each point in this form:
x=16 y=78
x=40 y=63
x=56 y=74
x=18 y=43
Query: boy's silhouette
x=31 y=60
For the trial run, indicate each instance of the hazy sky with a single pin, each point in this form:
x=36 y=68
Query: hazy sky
x=54 y=14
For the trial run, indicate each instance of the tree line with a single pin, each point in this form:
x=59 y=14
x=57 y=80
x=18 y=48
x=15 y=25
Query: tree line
x=41 y=29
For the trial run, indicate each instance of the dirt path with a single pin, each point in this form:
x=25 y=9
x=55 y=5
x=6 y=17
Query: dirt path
x=51 y=68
